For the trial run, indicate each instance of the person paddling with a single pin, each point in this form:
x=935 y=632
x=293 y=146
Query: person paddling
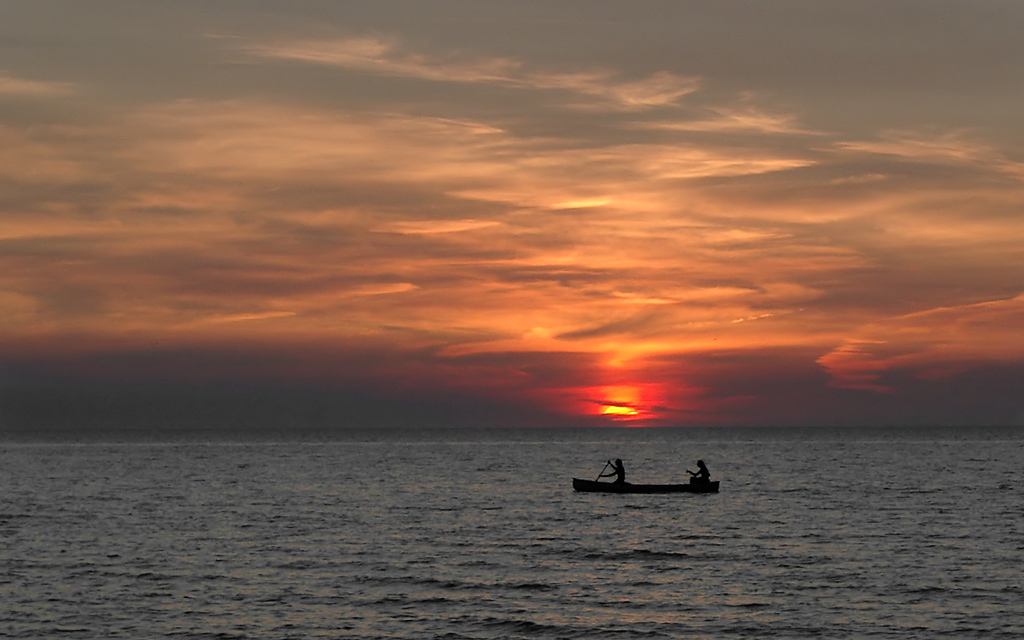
x=701 y=476
x=618 y=470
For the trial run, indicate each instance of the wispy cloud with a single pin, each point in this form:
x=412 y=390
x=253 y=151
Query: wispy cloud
x=250 y=317
x=430 y=227
x=385 y=56
x=931 y=343
x=301 y=208
x=14 y=86
x=43 y=155
x=736 y=119
x=852 y=365
x=468 y=159
x=944 y=147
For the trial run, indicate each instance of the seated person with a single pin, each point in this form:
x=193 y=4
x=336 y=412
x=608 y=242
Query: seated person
x=701 y=476
x=618 y=470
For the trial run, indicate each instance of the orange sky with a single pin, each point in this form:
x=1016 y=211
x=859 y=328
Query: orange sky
x=593 y=213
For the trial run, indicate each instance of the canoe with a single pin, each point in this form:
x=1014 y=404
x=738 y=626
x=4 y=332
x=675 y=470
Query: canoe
x=626 y=487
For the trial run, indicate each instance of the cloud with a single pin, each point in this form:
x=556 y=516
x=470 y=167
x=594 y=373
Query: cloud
x=466 y=159
x=430 y=227
x=384 y=289
x=852 y=365
x=951 y=147
x=630 y=250
x=49 y=156
x=384 y=56
x=244 y=139
x=216 y=208
x=934 y=343
x=250 y=317
x=736 y=120
x=22 y=87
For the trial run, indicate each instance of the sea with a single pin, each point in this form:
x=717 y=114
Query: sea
x=460 y=534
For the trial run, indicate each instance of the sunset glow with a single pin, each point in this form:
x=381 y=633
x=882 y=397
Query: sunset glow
x=619 y=411
x=622 y=402
x=667 y=214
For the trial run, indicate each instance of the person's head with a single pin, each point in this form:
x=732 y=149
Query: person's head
x=618 y=462
x=700 y=463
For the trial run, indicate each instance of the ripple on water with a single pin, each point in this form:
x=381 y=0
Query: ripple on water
x=344 y=539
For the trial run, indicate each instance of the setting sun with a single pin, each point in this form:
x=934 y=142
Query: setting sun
x=619 y=411
x=622 y=402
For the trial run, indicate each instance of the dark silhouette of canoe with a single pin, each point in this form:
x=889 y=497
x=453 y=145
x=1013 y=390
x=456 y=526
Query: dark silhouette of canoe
x=627 y=487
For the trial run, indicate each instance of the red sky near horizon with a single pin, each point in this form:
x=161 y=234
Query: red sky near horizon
x=670 y=213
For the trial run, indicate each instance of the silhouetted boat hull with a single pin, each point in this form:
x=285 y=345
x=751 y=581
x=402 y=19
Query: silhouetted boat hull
x=626 y=487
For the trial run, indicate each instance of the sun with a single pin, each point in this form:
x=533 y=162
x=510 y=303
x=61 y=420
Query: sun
x=621 y=402
x=633 y=404
x=618 y=410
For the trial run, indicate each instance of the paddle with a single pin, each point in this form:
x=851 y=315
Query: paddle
x=598 y=478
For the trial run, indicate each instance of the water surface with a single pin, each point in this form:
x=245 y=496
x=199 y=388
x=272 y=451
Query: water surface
x=471 y=534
